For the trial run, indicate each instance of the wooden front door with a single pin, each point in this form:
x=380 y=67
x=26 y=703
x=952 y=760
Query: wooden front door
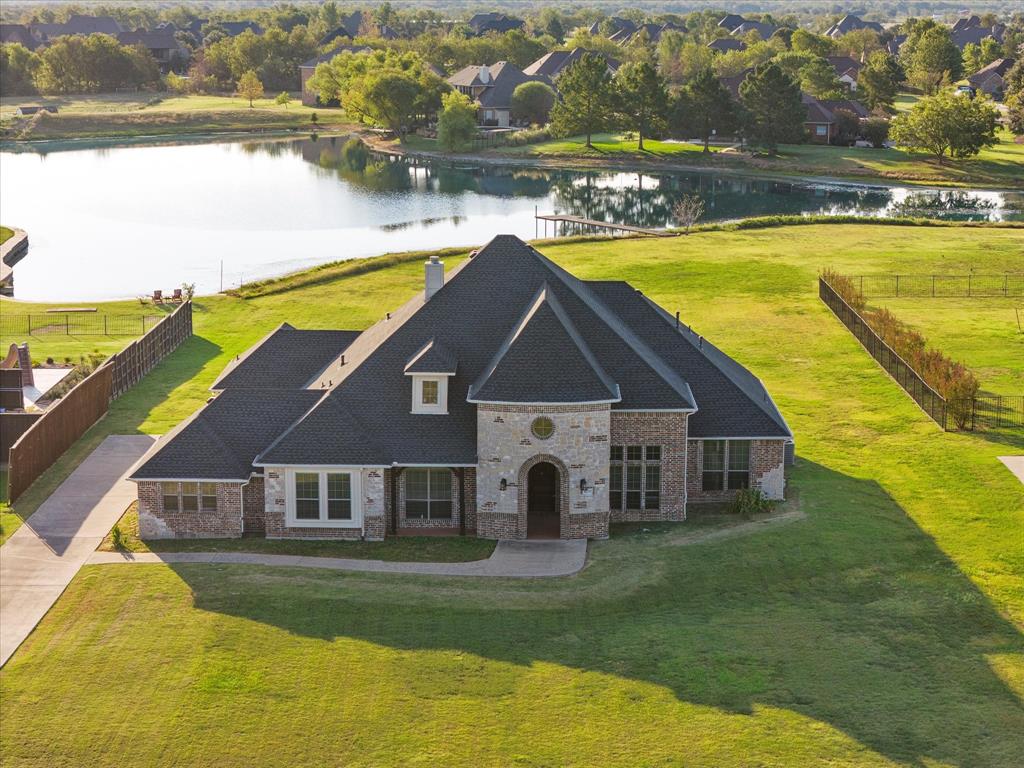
x=543 y=519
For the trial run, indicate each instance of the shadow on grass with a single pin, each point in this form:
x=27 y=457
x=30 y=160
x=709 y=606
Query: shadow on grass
x=853 y=618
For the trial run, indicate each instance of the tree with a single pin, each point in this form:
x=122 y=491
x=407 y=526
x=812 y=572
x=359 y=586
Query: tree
x=587 y=98
x=945 y=123
x=282 y=99
x=773 y=102
x=642 y=98
x=1015 y=113
x=935 y=59
x=803 y=41
x=819 y=79
x=456 y=125
x=878 y=81
x=704 y=107
x=688 y=210
x=92 y=64
x=250 y=87
x=18 y=67
x=1013 y=81
x=859 y=43
x=533 y=101
x=875 y=130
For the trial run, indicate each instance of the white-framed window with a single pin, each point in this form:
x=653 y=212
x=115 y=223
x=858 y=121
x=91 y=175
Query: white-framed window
x=430 y=394
x=428 y=493
x=635 y=477
x=323 y=498
x=726 y=465
x=189 y=497
x=821 y=130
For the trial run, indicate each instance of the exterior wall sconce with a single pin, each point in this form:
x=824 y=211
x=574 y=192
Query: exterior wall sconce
x=503 y=485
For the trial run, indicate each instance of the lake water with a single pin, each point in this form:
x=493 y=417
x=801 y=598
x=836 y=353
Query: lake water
x=119 y=222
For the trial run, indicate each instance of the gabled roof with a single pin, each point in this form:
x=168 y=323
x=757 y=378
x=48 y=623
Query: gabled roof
x=18 y=33
x=999 y=67
x=851 y=23
x=433 y=358
x=843 y=64
x=499 y=81
x=544 y=360
x=724 y=44
x=337 y=33
x=287 y=358
x=481 y=23
x=163 y=39
x=731 y=20
x=221 y=440
x=975 y=35
x=762 y=29
x=552 y=64
x=966 y=23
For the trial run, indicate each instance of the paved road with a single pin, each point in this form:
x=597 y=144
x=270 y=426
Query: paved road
x=510 y=559
x=40 y=559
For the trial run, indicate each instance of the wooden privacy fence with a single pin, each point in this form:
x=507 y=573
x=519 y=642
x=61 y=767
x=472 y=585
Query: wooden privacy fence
x=69 y=418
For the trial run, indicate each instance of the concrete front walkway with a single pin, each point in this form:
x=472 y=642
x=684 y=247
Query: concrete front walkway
x=44 y=554
x=1015 y=464
x=510 y=559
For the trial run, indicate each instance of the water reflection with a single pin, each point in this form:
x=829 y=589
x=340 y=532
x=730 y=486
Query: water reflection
x=261 y=208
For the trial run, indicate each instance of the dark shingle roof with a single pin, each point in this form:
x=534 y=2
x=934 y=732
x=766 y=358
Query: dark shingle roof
x=724 y=44
x=334 y=53
x=221 y=440
x=544 y=360
x=286 y=359
x=553 y=64
x=432 y=358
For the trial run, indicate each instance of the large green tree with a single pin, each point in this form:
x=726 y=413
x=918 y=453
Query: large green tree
x=703 y=108
x=933 y=60
x=819 y=79
x=642 y=100
x=456 y=125
x=803 y=41
x=947 y=123
x=878 y=81
x=93 y=64
x=533 y=102
x=18 y=67
x=587 y=98
x=774 y=107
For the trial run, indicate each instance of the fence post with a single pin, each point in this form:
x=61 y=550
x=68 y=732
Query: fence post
x=897 y=285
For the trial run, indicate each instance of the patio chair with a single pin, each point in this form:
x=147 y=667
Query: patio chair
x=158 y=297
x=177 y=297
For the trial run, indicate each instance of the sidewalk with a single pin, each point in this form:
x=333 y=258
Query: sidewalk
x=44 y=554
x=510 y=559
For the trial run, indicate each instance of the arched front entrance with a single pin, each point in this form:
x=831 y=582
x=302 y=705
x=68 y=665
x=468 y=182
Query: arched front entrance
x=543 y=501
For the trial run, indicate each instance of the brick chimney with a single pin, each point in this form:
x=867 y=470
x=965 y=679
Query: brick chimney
x=434 y=277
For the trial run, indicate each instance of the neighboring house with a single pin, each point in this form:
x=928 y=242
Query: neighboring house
x=763 y=30
x=491 y=88
x=162 y=45
x=18 y=33
x=653 y=32
x=990 y=78
x=616 y=24
x=892 y=47
x=966 y=23
x=232 y=28
x=726 y=44
x=851 y=23
x=482 y=23
x=822 y=123
x=733 y=82
x=336 y=34
x=306 y=70
x=730 y=21
x=78 y=24
x=552 y=65
x=512 y=400
x=962 y=37
x=847 y=69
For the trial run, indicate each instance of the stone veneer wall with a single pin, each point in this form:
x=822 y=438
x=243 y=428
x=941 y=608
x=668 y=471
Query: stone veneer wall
x=667 y=429
x=507 y=448
x=767 y=471
x=155 y=523
x=374 y=521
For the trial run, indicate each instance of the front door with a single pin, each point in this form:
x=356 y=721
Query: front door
x=543 y=520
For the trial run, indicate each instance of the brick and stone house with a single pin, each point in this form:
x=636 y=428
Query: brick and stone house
x=490 y=88
x=510 y=400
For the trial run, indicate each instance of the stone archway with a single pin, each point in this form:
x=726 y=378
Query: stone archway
x=534 y=466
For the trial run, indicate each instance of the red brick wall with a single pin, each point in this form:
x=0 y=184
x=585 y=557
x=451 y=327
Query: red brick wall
x=669 y=431
x=766 y=457
x=156 y=523
x=254 y=507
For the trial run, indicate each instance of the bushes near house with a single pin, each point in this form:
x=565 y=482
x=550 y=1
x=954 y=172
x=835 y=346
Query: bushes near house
x=951 y=379
x=750 y=502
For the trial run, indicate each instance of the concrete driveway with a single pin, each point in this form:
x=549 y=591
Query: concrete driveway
x=40 y=559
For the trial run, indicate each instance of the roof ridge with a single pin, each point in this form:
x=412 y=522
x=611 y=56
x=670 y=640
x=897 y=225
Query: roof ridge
x=288 y=431
x=613 y=321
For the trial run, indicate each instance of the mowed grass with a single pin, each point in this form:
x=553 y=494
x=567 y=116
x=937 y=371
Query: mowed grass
x=6 y=233
x=884 y=629
x=998 y=166
x=145 y=114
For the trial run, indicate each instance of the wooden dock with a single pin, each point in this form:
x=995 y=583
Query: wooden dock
x=564 y=224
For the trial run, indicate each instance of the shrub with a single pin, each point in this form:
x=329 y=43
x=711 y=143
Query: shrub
x=875 y=130
x=750 y=502
x=528 y=136
x=117 y=538
x=844 y=286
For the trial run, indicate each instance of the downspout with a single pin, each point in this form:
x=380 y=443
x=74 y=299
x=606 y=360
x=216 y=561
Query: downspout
x=241 y=504
x=686 y=467
x=462 y=500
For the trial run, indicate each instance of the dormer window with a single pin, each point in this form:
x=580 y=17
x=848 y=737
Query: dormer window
x=430 y=368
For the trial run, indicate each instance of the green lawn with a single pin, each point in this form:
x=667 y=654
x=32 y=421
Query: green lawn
x=999 y=166
x=144 y=114
x=6 y=233
x=884 y=629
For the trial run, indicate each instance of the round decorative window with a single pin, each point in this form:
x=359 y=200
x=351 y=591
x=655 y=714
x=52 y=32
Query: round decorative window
x=543 y=427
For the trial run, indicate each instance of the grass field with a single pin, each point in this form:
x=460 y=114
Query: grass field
x=999 y=166
x=884 y=629
x=143 y=114
x=6 y=233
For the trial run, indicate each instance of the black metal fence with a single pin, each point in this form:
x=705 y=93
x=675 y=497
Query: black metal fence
x=17 y=326
x=1008 y=284
x=991 y=412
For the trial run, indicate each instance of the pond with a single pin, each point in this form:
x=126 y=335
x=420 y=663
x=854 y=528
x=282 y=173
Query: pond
x=120 y=222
